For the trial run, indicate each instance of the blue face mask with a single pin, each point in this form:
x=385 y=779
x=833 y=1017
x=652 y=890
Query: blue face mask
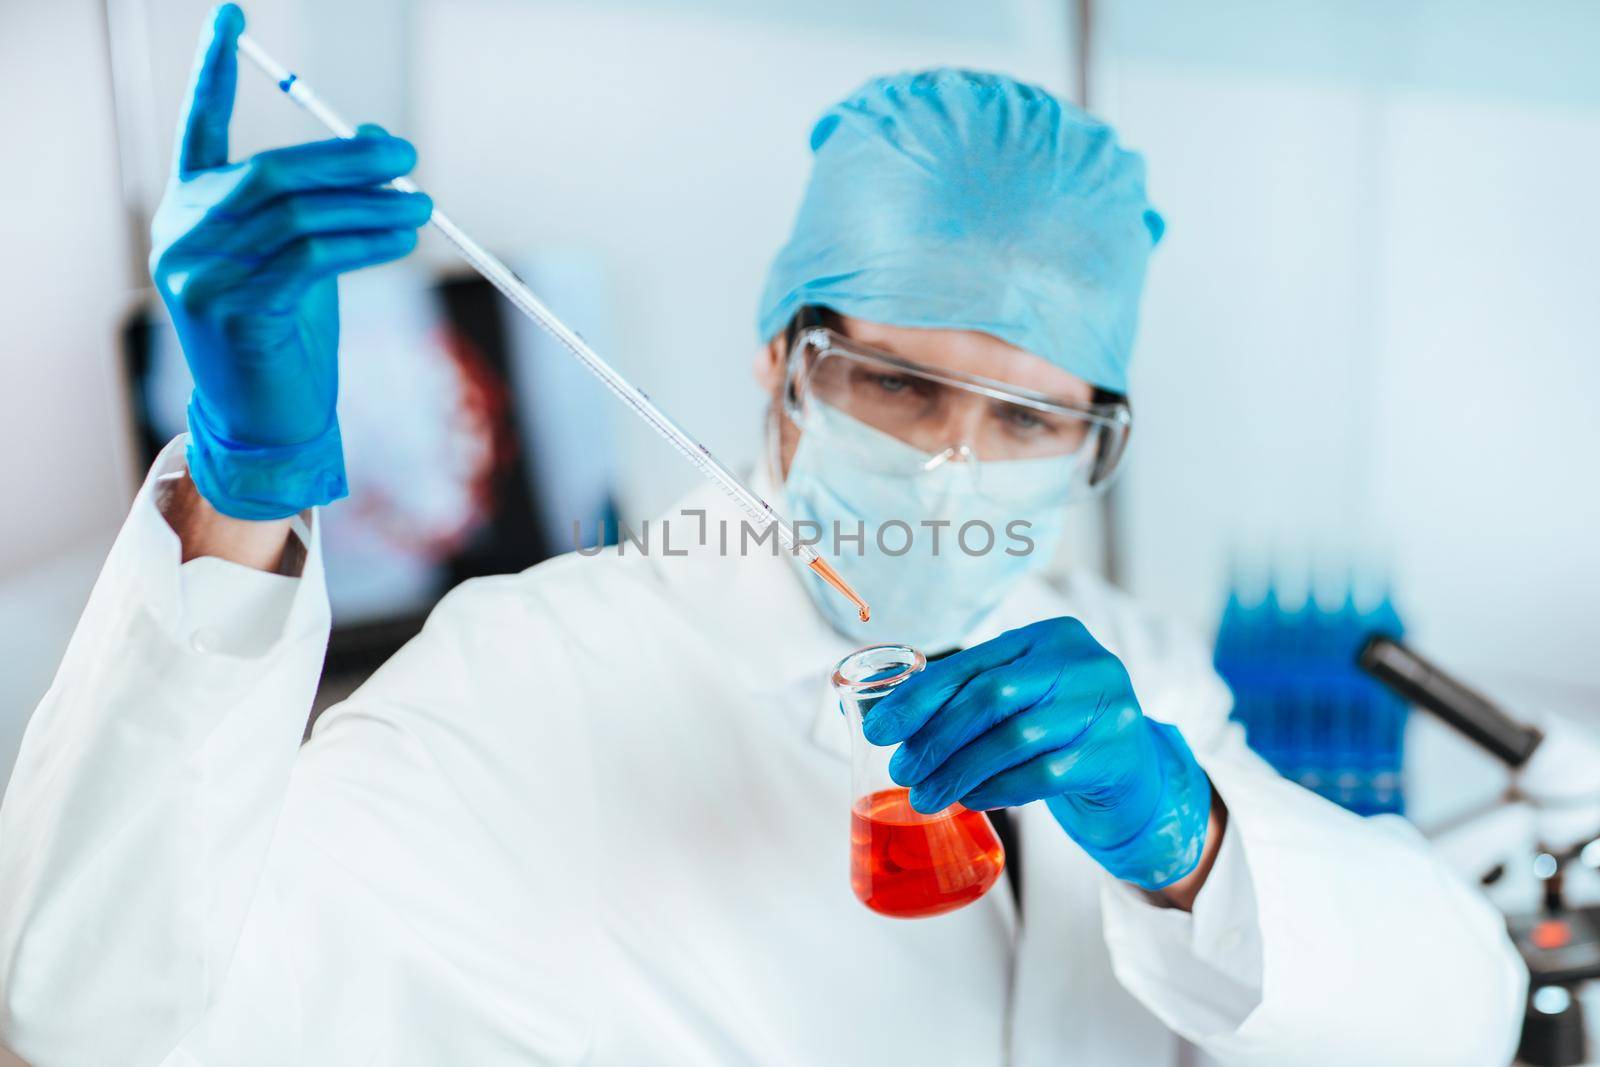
x=944 y=538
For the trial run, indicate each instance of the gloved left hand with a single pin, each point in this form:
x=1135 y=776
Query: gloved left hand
x=1046 y=713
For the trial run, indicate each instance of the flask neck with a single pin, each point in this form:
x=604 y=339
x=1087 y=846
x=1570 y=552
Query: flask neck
x=862 y=679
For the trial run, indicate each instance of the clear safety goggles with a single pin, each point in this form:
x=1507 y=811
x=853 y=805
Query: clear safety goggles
x=947 y=415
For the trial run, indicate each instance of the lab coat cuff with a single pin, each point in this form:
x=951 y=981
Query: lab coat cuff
x=1347 y=910
x=1200 y=971
x=211 y=604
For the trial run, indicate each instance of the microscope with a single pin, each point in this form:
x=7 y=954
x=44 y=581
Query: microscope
x=1545 y=826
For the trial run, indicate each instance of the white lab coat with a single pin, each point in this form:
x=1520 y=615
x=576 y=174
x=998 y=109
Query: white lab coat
x=596 y=813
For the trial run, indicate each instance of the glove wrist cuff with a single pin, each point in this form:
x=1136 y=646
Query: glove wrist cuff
x=262 y=482
x=1168 y=847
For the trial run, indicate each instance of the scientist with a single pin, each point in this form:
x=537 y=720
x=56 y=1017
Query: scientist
x=596 y=812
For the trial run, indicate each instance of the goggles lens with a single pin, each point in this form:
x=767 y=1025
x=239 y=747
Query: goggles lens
x=938 y=413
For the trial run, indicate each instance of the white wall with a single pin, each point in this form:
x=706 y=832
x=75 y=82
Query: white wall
x=1372 y=328
x=64 y=270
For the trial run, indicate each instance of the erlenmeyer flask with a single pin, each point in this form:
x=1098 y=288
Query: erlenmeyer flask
x=903 y=863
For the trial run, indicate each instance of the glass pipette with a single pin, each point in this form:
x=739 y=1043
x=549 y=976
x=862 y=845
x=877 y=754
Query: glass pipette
x=502 y=278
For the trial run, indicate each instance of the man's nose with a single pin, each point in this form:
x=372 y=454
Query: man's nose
x=959 y=428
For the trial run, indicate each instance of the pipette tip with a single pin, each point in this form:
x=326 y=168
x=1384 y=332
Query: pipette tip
x=824 y=570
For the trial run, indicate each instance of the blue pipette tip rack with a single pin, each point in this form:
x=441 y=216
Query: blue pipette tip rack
x=1305 y=707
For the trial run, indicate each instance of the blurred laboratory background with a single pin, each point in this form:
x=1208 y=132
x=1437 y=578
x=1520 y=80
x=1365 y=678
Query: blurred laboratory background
x=1365 y=385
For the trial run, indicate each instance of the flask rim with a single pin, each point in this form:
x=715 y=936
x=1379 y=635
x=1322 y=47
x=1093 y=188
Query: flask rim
x=862 y=670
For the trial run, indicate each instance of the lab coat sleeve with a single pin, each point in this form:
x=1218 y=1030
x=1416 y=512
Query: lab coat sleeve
x=145 y=794
x=1319 y=937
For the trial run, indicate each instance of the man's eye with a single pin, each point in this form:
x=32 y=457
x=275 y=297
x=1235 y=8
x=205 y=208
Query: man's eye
x=892 y=383
x=1026 y=421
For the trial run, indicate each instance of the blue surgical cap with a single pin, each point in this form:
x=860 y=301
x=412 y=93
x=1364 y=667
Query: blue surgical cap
x=960 y=200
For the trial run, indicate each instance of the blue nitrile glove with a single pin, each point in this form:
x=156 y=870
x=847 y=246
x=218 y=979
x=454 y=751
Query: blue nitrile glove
x=246 y=257
x=1046 y=713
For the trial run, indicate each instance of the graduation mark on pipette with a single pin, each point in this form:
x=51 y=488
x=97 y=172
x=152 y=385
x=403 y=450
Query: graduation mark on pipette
x=504 y=279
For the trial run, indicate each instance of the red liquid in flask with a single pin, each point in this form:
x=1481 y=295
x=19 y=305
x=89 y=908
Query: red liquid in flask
x=909 y=865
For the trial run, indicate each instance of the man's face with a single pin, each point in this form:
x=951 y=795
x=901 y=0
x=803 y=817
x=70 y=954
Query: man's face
x=965 y=351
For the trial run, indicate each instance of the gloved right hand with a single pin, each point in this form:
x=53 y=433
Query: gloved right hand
x=1046 y=712
x=246 y=257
